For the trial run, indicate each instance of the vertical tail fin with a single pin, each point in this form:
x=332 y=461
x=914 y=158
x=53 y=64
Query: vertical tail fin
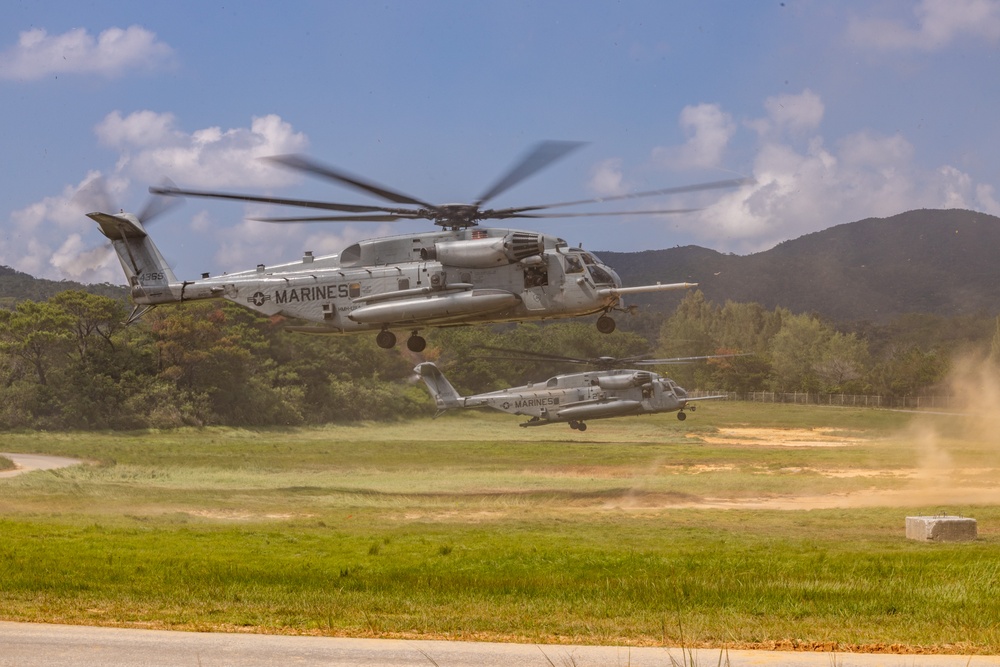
x=444 y=395
x=148 y=274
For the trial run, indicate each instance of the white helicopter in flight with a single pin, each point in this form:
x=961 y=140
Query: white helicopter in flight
x=464 y=274
x=611 y=390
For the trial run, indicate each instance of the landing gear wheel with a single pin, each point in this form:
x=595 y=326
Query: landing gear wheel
x=681 y=416
x=416 y=343
x=605 y=324
x=385 y=339
x=581 y=427
x=574 y=425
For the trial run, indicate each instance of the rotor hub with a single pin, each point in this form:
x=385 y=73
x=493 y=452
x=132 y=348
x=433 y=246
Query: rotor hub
x=456 y=216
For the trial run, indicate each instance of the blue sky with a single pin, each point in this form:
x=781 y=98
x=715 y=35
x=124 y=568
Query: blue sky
x=839 y=110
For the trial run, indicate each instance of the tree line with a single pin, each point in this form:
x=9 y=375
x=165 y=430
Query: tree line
x=69 y=363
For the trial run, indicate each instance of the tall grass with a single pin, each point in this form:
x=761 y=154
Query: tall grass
x=473 y=528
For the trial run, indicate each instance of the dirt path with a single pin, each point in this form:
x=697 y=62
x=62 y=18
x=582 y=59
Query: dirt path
x=29 y=462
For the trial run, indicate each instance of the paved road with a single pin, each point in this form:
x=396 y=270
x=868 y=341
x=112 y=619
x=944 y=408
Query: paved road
x=28 y=462
x=37 y=645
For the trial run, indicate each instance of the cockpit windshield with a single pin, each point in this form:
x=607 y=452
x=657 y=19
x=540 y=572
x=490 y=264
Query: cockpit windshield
x=579 y=261
x=600 y=275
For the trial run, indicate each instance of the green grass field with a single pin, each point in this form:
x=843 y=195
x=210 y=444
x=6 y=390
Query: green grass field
x=747 y=525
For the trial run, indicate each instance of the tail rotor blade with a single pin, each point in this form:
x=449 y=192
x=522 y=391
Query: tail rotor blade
x=158 y=204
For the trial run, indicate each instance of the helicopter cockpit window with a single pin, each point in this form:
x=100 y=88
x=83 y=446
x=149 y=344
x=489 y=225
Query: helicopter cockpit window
x=600 y=275
x=573 y=264
x=552 y=383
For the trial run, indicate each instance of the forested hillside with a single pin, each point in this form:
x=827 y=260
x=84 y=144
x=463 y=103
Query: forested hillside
x=926 y=261
x=16 y=286
x=68 y=363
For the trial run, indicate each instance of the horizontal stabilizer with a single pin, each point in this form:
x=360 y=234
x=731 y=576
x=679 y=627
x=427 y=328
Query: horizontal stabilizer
x=116 y=227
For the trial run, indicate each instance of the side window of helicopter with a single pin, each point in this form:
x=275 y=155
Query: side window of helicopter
x=552 y=383
x=404 y=283
x=536 y=276
x=354 y=290
x=573 y=264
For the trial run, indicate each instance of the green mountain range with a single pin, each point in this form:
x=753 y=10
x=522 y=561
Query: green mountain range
x=943 y=262
x=17 y=286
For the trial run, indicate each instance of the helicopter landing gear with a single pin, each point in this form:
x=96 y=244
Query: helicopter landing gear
x=681 y=416
x=385 y=339
x=416 y=343
x=578 y=426
x=605 y=324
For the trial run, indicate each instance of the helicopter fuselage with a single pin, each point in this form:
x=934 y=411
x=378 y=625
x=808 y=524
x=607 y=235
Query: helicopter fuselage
x=443 y=278
x=571 y=398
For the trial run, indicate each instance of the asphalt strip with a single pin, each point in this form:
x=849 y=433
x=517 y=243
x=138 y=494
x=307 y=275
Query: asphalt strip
x=43 y=645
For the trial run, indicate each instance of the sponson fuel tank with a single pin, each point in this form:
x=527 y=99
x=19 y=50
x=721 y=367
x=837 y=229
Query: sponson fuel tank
x=598 y=410
x=435 y=307
x=485 y=253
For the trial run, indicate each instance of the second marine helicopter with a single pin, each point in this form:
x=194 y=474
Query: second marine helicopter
x=465 y=274
x=610 y=389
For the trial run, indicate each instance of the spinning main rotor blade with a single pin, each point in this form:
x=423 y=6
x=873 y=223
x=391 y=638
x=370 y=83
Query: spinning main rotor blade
x=451 y=216
x=696 y=187
x=539 y=157
x=343 y=218
x=527 y=355
x=589 y=215
x=304 y=203
x=601 y=362
x=302 y=163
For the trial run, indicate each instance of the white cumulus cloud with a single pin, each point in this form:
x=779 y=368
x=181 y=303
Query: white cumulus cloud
x=708 y=129
x=112 y=53
x=606 y=178
x=937 y=24
x=152 y=146
x=52 y=238
x=791 y=113
x=806 y=186
x=46 y=240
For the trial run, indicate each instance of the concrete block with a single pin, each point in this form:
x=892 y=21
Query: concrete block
x=940 y=528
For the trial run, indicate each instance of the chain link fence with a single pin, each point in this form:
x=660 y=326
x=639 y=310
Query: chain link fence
x=851 y=400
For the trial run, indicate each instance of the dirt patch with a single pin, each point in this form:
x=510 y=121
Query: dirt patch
x=782 y=437
x=234 y=515
x=479 y=516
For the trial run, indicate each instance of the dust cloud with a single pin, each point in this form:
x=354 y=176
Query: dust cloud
x=967 y=440
x=958 y=451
